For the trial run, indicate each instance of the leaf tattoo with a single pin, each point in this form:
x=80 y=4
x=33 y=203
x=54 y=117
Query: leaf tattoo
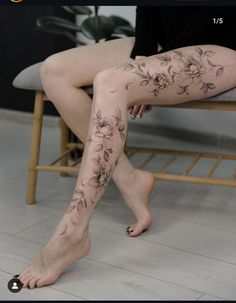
x=191 y=70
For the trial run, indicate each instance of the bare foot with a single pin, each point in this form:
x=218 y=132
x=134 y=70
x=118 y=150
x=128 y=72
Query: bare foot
x=137 y=197
x=58 y=254
x=60 y=251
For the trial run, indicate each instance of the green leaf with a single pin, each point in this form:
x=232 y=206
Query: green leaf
x=124 y=30
x=119 y=21
x=51 y=23
x=78 y=10
x=97 y=28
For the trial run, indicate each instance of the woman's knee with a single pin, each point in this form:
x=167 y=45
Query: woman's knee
x=109 y=88
x=109 y=80
x=51 y=68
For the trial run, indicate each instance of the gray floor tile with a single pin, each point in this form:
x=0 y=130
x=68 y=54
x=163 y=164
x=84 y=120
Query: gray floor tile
x=98 y=281
x=16 y=218
x=45 y=293
x=187 y=254
x=193 y=271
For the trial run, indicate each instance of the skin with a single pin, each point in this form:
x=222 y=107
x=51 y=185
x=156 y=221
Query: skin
x=188 y=73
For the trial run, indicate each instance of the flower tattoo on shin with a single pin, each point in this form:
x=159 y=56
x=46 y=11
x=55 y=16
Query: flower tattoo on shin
x=107 y=129
x=78 y=201
x=102 y=172
x=179 y=68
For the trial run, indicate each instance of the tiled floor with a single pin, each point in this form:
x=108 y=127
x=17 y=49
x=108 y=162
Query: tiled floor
x=189 y=253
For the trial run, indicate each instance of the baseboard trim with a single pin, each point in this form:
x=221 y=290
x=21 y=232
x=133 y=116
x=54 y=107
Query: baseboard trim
x=165 y=131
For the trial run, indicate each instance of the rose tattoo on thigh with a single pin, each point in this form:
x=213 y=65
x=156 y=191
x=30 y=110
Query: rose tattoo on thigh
x=178 y=68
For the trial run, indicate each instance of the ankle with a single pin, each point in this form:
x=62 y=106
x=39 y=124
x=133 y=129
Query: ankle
x=77 y=237
x=130 y=179
x=124 y=178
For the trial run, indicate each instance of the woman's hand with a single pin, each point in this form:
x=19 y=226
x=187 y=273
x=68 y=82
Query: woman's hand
x=139 y=110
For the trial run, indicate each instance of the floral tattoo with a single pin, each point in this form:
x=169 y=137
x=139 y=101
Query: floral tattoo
x=188 y=69
x=105 y=130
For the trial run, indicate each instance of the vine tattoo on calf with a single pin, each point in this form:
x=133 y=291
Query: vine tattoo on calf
x=188 y=69
x=106 y=128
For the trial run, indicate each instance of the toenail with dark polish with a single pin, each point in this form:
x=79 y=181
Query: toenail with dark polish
x=28 y=286
x=16 y=276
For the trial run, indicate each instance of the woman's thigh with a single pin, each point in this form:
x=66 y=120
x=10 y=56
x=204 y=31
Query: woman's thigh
x=80 y=65
x=183 y=74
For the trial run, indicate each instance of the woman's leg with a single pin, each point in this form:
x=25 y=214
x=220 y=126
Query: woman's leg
x=176 y=76
x=63 y=74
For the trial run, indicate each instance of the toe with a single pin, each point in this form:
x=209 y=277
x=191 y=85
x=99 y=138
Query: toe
x=39 y=283
x=46 y=281
x=32 y=283
x=16 y=276
x=26 y=280
x=131 y=227
x=136 y=231
x=24 y=273
x=23 y=276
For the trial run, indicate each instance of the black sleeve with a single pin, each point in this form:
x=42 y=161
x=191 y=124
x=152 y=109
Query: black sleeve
x=145 y=31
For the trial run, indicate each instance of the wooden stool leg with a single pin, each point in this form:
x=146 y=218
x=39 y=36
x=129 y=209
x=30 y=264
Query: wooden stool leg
x=64 y=141
x=35 y=147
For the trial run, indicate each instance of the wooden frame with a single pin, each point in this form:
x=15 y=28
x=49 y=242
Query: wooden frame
x=66 y=147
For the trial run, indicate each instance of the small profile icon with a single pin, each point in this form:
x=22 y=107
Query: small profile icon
x=16 y=1
x=14 y=285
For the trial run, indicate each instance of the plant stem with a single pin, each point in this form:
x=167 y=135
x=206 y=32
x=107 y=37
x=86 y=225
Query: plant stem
x=96 y=10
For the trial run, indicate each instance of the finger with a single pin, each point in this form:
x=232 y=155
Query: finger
x=135 y=111
x=132 y=113
x=148 y=108
x=130 y=109
x=141 y=111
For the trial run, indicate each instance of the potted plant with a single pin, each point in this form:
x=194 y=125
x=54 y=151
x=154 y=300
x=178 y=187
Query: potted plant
x=95 y=27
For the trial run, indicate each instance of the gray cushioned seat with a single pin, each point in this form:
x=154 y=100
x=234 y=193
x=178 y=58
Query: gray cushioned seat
x=29 y=78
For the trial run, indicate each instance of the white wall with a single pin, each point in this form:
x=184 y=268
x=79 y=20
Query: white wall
x=127 y=12
x=218 y=123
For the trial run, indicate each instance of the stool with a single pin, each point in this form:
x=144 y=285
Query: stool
x=29 y=79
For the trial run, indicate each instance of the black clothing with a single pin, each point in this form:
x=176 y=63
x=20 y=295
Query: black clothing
x=174 y=27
